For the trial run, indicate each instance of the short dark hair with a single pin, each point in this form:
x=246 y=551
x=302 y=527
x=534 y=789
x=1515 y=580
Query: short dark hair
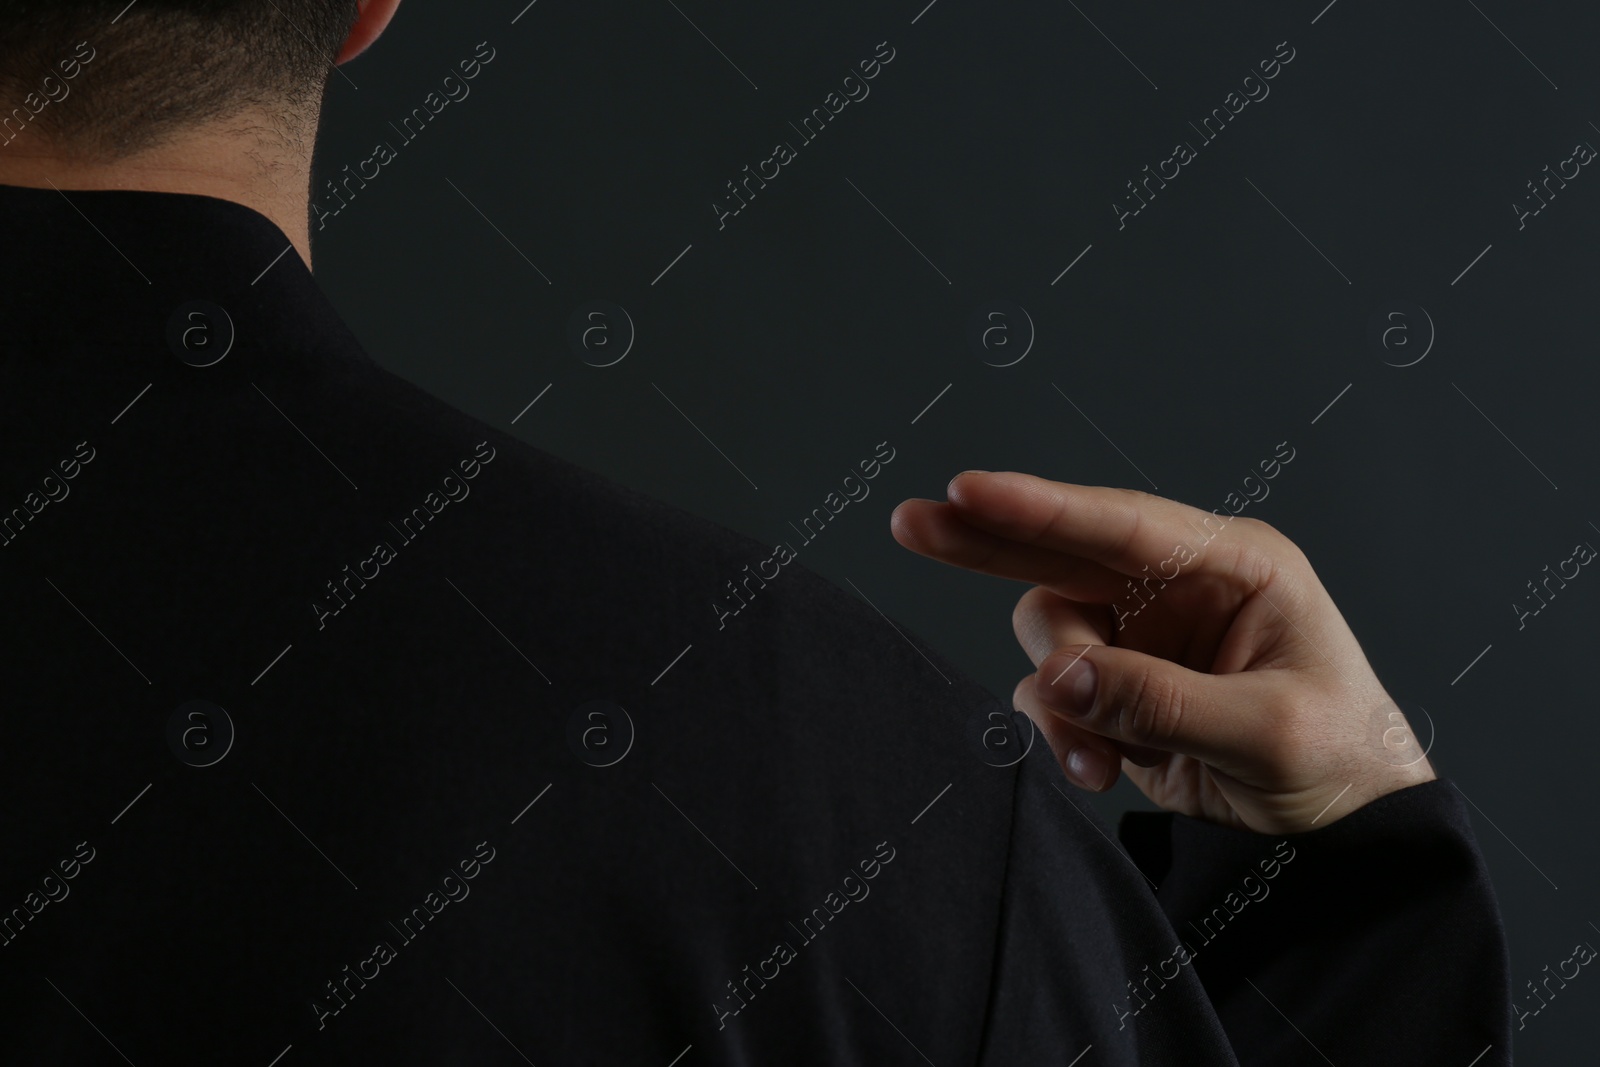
x=114 y=77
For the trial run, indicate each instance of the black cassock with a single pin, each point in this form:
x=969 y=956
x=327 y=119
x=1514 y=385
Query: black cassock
x=345 y=728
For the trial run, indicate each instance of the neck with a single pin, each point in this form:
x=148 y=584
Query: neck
x=245 y=158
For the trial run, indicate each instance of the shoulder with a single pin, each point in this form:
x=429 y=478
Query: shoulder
x=678 y=582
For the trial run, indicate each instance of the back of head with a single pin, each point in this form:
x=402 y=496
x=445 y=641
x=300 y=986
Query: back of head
x=108 y=79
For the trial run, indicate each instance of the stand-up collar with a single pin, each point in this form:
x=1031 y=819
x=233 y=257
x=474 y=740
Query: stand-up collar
x=88 y=277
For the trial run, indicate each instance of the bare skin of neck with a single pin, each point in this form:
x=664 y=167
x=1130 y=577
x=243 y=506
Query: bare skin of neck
x=244 y=158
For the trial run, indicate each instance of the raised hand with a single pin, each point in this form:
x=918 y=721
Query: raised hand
x=1196 y=653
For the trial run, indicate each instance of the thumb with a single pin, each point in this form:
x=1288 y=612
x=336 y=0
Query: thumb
x=1145 y=700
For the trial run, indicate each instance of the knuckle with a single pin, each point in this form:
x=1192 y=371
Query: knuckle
x=1260 y=527
x=1280 y=726
x=1031 y=626
x=980 y=558
x=1139 y=496
x=1267 y=565
x=1025 y=615
x=1130 y=533
x=1150 y=707
x=1271 y=543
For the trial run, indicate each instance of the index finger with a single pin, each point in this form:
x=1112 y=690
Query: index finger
x=1126 y=530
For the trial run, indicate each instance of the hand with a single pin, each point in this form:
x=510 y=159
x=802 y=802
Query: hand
x=1198 y=654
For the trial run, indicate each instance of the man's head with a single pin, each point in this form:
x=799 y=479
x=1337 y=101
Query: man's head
x=106 y=78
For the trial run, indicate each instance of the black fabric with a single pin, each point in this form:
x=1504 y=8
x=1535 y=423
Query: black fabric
x=411 y=744
x=1378 y=935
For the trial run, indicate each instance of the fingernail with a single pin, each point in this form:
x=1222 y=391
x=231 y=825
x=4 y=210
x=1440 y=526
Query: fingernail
x=1089 y=766
x=952 y=481
x=1068 y=686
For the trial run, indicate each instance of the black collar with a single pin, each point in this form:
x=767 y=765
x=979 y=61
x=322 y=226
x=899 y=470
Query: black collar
x=91 y=280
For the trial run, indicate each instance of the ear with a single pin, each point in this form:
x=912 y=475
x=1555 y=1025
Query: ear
x=370 y=23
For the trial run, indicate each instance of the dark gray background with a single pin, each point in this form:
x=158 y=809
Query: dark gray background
x=1220 y=321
